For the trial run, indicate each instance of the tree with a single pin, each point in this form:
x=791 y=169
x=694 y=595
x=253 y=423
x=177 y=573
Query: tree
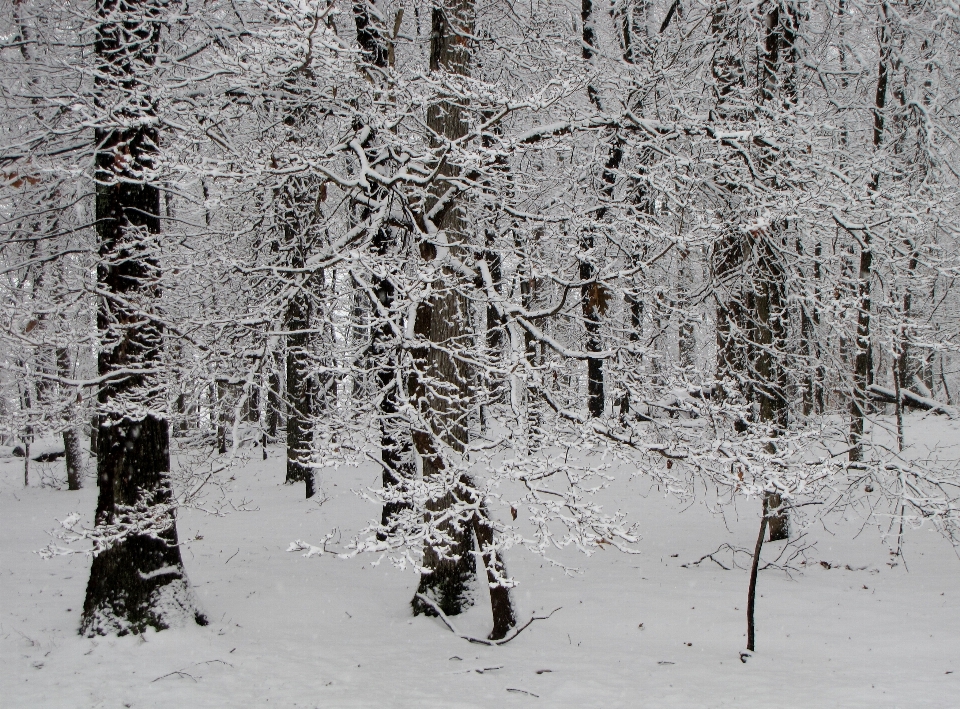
x=138 y=581
x=440 y=322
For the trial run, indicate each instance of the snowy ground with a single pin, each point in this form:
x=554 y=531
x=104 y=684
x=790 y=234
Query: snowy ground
x=293 y=632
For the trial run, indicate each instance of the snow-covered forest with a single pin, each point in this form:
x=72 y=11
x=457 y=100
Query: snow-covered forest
x=485 y=338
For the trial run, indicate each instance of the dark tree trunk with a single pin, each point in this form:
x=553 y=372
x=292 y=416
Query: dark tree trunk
x=180 y=408
x=686 y=335
x=593 y=295
x=252 y=406
x=771 y=316
x=295 y=194
x=94 y=435
x=752 y=319
x=26 y=401
x=813 y=394
x=752 y=589
x=396 y=445
x=728 y=255
x=273 y=405
x=501 y=603
x=299 y=395
x=863 y=363
x=495 y=329
x=768 y=348
x=449 y=572
x=139 y=581
x=71 y=439
x=222 y=403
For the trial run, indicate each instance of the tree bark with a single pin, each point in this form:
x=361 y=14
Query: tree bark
x=94 y=435
x=299 y=395
x=300 y=392
x=593 y=295
x=734 y=301
x=139 y=581
x=752 y=589
x=71 y=438
x=440 y=322
x=863 y=363
x=396 y=445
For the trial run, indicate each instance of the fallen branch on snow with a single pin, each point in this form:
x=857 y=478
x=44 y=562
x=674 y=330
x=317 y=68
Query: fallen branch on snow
x=479 y=641
x=889 y=396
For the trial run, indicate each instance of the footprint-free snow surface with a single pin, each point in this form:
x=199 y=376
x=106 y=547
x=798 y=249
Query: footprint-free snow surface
x=645 y=630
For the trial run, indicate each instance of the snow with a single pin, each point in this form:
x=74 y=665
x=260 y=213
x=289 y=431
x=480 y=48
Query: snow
x=291 y=631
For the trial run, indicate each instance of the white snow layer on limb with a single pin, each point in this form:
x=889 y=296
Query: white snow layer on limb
x=143 y=519
x=911 y=399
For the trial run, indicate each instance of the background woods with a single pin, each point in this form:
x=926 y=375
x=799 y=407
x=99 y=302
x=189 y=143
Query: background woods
x=506 y=253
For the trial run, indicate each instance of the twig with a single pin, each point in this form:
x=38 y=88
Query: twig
x=209 y=662
x=723 y=547
x=522 y=691
x=30 y=640
x=176 y=672
x=706 y=556
x=503 y=641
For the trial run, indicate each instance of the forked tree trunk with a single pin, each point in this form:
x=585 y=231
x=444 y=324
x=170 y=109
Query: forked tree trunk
x=449 y=573
x=139 y=581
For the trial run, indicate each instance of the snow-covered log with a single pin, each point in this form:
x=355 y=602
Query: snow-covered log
x=911 y=399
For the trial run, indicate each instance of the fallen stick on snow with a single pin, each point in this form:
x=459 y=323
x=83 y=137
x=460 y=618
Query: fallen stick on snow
x=522 y=691
x=179 y=673
x=480 y=641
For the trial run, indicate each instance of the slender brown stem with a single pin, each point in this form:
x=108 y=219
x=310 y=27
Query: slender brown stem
x=752 y=591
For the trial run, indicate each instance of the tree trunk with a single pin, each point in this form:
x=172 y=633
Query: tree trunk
x=71 y=439
x=273 y=405
x=593 y=295
x=752 y=321
x=396 y=445
x=449 y=571
x=686 y=335
x=139 y=581
x=26 y=404
x=752 y=589
x=863 y=363
x=221 y=405
x=733 y=301
x=299 y=395
x=300 y=391
x=94 y=435
x=771 y=315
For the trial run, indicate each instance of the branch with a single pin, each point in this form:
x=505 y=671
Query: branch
x=479 y=641
x=908 y=398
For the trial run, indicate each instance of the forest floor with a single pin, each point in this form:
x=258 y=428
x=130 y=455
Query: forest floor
x=632 y=630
